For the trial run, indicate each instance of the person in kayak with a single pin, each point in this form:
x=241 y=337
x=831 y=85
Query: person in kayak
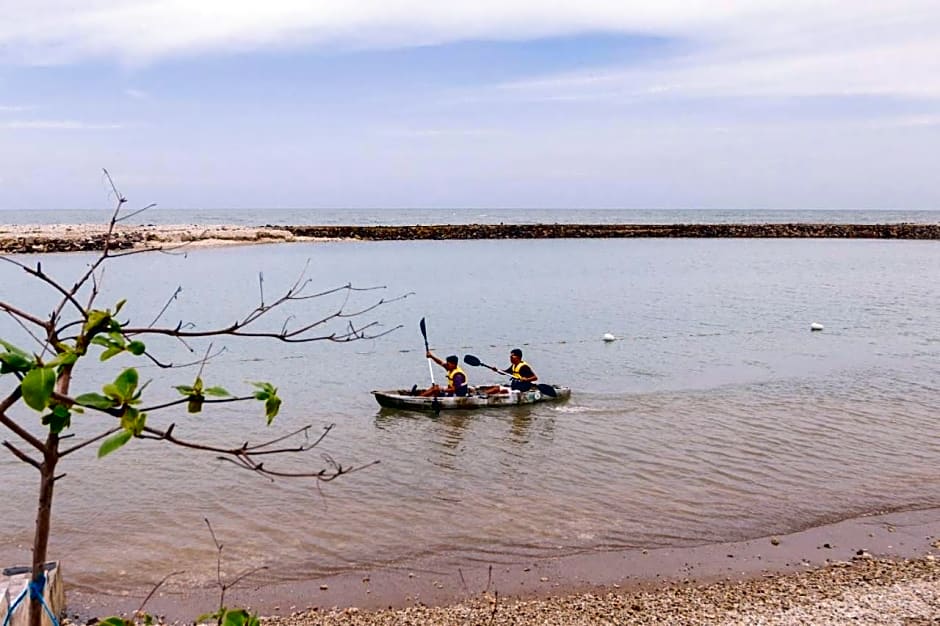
x=522 y=374
x=457 y=384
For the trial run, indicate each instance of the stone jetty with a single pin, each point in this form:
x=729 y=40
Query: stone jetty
x=610 y=231
x=20 y=239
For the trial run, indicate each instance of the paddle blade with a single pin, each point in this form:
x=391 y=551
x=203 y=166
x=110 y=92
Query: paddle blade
x=548 y=390
x=469 y=359
x=424 y=329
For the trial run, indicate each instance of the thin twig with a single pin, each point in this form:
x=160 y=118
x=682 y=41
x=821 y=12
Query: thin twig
x=179 y=290
x=22 y=455
x=140 y=610
x=88 y=442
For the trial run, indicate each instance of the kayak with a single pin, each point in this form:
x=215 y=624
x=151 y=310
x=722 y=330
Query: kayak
x=402 y=399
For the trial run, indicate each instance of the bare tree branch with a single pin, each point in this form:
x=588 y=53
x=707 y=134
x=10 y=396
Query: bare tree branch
x=88 y=442
x=20 y=314
x=179 y=290
x=244 y=455
x=140 y=610
x=133 y=213
x=7 y=421
x=22 y=455
x=43 y=345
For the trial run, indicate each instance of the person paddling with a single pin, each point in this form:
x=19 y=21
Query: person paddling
x=457 y=384
x=522 y=373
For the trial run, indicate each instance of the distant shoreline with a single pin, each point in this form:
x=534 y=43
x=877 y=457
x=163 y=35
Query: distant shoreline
x=44 y=238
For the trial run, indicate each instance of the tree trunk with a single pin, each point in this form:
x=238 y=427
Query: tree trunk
x=43 y=519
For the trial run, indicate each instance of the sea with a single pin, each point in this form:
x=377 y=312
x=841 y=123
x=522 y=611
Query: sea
x=716 y=414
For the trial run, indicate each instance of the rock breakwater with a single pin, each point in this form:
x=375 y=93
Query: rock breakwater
x=608 y=231
x=84 y=237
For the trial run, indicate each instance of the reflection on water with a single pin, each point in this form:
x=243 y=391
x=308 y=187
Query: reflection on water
x=717 y=416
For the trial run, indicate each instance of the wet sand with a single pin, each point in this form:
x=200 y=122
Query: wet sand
x=872 y=554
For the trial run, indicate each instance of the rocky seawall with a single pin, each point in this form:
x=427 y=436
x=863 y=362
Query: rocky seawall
x=77 y=238
x=608 y=231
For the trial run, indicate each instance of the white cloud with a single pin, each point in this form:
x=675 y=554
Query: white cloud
x=760 y=47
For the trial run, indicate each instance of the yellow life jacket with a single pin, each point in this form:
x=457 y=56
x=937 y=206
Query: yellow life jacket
x=450 y=377
x=518 y=368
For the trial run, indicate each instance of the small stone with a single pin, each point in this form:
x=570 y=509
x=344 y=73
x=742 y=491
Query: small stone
x=774 y=541
x=324 y=587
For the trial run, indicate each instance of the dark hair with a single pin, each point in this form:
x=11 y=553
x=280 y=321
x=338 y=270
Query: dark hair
x=452 y=359
x=517 y=352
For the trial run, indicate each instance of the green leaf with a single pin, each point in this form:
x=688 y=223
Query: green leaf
x=37 y=387
x=217 y=392
x=119 y=306
x=65 y=358
x=205 y=618
x=97 y=320
x=265 y=390
x=15 y=362
x=11 y=348
x=115 y=621
x=133 y=420
x=186 y=390
x=125 y=384
x=110 y=352
x=238 y=617
x=58 y=420
x=101 y=341
x=136 y=348
x=95 y=401
x=271 y=407
x=114 y=442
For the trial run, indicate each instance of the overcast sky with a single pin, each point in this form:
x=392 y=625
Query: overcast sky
x=384 y=103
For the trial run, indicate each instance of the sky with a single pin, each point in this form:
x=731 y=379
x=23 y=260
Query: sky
x=689 y=104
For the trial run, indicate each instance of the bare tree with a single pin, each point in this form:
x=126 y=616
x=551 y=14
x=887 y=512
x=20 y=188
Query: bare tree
x=77 y=327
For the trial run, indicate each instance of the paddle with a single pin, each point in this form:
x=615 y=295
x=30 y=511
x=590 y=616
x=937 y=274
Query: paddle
x=424 y=333
x=548 y=390
x=435 y=405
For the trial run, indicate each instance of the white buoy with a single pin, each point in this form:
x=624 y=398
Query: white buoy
x=609 y=337
x=815 y=326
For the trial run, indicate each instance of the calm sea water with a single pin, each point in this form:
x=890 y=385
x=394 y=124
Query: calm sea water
x=716 y=416
x=256 y=217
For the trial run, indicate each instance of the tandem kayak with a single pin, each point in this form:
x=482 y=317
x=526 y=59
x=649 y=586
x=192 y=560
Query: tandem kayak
x=402 y=399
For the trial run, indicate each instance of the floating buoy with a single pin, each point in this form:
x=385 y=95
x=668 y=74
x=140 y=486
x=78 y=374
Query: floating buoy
x=609 y=337
x=815 y=326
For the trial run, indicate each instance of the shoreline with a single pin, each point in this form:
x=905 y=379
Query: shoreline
x=865 y=554
x=44 y=238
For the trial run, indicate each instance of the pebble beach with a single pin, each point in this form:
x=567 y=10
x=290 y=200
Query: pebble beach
x=878 y=569
x=864 y=591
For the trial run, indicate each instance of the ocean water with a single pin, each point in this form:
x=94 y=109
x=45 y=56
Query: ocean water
x=398 y=217
x=717 y=415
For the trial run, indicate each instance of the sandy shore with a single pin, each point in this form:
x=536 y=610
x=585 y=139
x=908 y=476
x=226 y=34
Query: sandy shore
x=20 y=238
x=876 y=569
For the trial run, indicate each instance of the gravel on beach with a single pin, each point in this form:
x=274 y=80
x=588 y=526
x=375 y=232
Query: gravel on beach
x=864 y=591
